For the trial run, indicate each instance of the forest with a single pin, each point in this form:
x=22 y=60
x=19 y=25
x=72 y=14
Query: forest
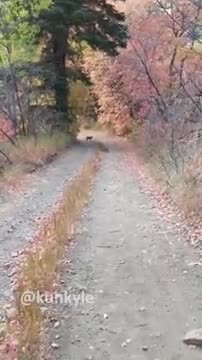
x=41 y=52
x=131 y=66
x=129 y=74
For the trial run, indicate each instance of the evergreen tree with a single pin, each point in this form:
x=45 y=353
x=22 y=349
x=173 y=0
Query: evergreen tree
x=96 y=22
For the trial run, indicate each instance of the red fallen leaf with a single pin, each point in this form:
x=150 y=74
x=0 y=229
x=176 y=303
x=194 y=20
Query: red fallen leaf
x=7 y=348
x=10 y=348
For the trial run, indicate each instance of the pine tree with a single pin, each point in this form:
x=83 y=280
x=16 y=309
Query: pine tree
x=96 y=22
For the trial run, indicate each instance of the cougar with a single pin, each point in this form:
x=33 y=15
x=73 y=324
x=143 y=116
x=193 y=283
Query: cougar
x=89 y=138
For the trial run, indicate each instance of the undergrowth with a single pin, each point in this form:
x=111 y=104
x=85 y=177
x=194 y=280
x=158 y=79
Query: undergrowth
x=178 y=173
x=29 y=154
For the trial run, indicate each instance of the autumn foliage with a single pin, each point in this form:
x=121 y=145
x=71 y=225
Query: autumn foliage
x=6 y=128
x=153 y=89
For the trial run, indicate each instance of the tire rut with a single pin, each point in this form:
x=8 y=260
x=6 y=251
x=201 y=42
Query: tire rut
x=20 y=212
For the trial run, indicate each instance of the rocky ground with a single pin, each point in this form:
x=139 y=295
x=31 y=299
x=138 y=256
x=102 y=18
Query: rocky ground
x=132 y=286
x=139 y=284
x=20 y=212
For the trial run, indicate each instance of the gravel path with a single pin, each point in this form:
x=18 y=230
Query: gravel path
x=19 y=212
x=147 y=291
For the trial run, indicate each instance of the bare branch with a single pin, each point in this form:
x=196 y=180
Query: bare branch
x=8 y=137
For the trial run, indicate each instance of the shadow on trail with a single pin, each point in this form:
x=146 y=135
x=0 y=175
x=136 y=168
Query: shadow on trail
x=111 y=144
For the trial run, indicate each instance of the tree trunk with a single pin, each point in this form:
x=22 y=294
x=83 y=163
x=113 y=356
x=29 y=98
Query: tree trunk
x=61 y=89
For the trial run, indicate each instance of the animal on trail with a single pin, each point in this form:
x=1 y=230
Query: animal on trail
x=89 y=138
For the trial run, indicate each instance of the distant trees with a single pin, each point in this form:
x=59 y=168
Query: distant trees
x=66 y=23
x=159 y=74
x=41 y=46
x=19 y=69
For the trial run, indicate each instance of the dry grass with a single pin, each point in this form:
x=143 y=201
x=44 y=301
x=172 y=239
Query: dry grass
x=40 y=263
x=189 y=197
x=189 y=189
x=30 y=154
x=183 y=182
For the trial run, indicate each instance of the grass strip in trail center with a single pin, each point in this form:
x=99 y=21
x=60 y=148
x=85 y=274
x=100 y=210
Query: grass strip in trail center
x=39 y=265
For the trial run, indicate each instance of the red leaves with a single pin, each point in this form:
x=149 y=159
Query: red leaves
x=149 y=69
x=9 y=349
x=5 y=127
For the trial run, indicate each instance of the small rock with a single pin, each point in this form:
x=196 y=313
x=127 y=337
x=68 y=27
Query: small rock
x=55 y=346
x=106 y=316
x=53 y=319
x=14 y=254
x=57 y=337
x=125 y=343
x=72 y=272
x=142 y=309
x=77 y=339
x=194 y=337
x=145 y=348
x=7 y=266
x=195 y=263
x=128 y=341
x=12 y=273
x=11 y=313
x=83 y=312
x=57 y=325
x=7 y=306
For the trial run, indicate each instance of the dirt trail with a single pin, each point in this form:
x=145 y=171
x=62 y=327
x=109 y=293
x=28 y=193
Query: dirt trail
x=147 y=292
x=19 y=212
